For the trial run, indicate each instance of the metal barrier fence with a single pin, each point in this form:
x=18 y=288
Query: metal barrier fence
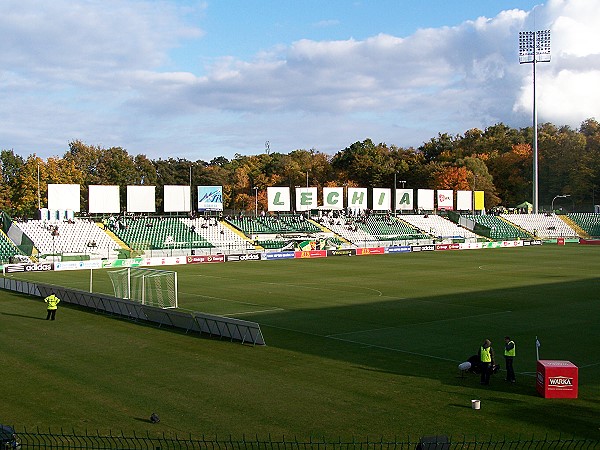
x=194 y=322
x=39 y=440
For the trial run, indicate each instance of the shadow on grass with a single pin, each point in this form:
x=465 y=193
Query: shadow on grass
x=22 y=315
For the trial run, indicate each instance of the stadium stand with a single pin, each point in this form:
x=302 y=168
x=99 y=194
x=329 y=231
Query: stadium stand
x=371 y=229
x=438 y=226
x=8 y=250
x=499 y=229
x=348 y=229
x=588 y=222
x=217 y=234
x=75 y=236
x=151 y=233
x=386 y=227
x=544 y=226
x=281 y=224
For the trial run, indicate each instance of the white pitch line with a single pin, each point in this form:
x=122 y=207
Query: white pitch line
x=253 y=312
x=220 y=298
x=416 y=324
x=365 y=345
x=589 y=365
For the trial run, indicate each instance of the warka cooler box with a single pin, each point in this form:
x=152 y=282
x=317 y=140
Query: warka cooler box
x=557 y=379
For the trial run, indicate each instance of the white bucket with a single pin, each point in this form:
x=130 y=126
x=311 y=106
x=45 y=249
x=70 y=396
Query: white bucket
x=476 y=404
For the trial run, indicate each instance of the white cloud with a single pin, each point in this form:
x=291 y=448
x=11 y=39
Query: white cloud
x=567 y=86
x=97 y=71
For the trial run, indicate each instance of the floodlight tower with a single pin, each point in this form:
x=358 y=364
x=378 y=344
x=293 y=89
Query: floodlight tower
x=534 y=47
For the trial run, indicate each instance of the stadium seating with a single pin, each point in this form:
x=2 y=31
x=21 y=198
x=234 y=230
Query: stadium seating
x=371 y=229
x=75 y=236
x=217 y=234
x=150 y=233
x=438 y=226
x=7 y=249
x=544 y=226
x=499 y=229
x=281 y=224
x=588 y=222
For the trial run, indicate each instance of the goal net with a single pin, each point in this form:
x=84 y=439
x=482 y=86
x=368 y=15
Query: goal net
x=151 y=287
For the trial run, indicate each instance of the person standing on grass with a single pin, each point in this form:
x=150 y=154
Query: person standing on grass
x=509 y=355
x=486 y=356
x=52 y=301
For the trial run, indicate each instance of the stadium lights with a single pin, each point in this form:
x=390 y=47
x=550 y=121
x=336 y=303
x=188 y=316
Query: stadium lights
x=534 y=47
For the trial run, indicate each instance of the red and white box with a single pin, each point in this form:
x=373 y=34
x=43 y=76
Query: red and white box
x=557 y=379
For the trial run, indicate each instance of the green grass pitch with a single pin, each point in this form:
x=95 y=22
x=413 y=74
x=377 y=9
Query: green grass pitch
x=356 y=347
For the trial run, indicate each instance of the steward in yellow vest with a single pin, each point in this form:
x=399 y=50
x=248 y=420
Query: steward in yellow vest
x=486 y=357
x=52 y=301
x=509 y=355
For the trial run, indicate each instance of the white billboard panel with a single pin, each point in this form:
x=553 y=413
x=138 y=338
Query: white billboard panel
x=333 y=198
x=278 y=198
x=357 y=198
x=104 y=199
x=210 y=198
x=464 y=200
x=141 y=199
x=405 y=200
x=382 y=199
x=177 y=198
x=306 y=198
x=425 y=199
x=64 y=197
x=445 y=199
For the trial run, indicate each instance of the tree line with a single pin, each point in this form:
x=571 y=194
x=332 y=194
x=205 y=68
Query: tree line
x=497 y=160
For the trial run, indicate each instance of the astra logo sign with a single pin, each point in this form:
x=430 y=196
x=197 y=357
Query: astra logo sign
x=560 y=382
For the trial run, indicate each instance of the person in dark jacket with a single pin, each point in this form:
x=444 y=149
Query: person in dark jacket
x=486 y=356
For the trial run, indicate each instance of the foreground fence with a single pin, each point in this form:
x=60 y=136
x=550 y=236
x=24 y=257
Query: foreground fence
x=62 y=440
x=191 y=322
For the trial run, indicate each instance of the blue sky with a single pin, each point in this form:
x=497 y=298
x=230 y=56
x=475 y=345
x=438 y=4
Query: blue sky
x=198 y=79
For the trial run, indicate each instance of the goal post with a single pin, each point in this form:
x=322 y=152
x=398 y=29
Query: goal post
x=151 y=287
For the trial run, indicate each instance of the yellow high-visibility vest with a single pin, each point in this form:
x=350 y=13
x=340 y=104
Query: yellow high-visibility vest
x=52 y=301
x=486 y=356
x=510 y=352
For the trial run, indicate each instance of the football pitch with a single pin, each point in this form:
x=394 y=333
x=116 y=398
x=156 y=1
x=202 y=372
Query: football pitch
x=364 y=346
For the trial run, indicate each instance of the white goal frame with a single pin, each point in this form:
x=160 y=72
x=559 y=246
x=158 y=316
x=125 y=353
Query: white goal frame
x=152 y=287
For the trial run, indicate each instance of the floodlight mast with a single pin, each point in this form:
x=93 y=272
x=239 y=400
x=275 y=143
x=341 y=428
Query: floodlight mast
x=534 y=47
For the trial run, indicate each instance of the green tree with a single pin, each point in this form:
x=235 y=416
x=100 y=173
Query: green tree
x=11 y=165
x=365 y=163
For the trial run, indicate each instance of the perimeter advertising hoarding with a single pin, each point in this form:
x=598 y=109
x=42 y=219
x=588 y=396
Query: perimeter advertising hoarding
x=470 y=245
x=40 y=267
x=139 y=262
x=311 y=254
x=399 y=249
x=210 y=198
x=422 y=248
x=341 y=252
x=279 y=255
x=244 y=257
x=441 y=247
x=201 y=259
x=78 y=265
x=512 y=243
x=370 y=251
